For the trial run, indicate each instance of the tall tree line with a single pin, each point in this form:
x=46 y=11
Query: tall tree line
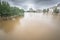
x=6 y=10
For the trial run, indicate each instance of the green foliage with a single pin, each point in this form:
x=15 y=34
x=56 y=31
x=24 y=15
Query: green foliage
x=0 y=8
x=56 y=10
x=47 y=10
x=6 y=10
x=44 y=10
x=16 y=11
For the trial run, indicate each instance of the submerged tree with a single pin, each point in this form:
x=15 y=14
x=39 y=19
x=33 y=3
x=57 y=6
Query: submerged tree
x=56 y=11
x=44 y=10
x=47 y=10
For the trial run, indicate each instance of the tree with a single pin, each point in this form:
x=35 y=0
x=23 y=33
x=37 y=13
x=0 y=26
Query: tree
x=44 y=10
x=5 y=8
x=47 y=10
x=16 y=11
x=56 y=11
x=0 y=8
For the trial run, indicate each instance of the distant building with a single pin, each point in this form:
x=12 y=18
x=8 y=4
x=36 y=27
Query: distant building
x=50 y=10
x=31 y=10
x=38 y=10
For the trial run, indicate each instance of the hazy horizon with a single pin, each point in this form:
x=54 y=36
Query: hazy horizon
x=36 y=4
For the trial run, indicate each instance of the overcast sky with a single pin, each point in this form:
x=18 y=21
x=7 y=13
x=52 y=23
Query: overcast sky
x=33 y=3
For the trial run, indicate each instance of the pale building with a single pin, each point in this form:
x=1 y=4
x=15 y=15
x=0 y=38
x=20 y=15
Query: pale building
x=38 y=10
x=50 y=10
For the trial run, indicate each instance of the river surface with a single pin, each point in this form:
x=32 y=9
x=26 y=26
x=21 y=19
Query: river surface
x=33 y=26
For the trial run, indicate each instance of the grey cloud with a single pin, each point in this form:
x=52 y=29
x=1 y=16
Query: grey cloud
x=45 y=3
x=36 y=3
x=18 y=1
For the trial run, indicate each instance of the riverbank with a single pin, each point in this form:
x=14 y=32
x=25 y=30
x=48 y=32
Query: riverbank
x=10 y=18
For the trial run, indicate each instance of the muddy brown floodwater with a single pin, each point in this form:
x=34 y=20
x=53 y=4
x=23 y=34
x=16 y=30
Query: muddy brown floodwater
x=33 y=26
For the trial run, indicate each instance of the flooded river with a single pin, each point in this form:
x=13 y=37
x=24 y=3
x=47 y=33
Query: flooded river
x=33 y=26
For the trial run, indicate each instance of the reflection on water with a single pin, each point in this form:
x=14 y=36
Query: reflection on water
x=33 y=26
